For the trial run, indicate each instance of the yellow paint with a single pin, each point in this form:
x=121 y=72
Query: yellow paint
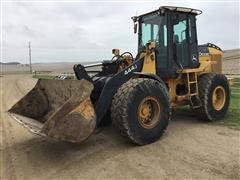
x=218 y=98
x=209 y=63
x=149 y=64
x=149 y=112
x=86 y=109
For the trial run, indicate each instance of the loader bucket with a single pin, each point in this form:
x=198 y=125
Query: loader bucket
x=60 y=109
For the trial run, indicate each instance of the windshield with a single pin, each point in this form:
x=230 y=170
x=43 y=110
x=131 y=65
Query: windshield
x=152 y=28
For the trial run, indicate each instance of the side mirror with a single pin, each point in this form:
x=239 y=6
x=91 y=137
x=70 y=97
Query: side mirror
x=135 y=20
x=135 y=28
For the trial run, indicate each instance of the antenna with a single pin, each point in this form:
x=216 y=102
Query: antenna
x=30 y=58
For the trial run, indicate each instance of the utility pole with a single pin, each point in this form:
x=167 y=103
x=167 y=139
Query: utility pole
x=30 y=58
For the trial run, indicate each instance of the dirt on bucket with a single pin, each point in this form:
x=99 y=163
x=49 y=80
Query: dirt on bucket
x=58 y=109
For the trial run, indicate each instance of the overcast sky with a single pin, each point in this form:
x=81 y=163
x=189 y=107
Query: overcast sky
x=84 y=31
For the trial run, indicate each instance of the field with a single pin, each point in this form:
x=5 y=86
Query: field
x=232 y=118
x=190 y=149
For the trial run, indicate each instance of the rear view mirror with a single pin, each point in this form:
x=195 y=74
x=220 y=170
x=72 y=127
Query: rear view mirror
x=135 y=20
x=175 y=20
x=135 y=28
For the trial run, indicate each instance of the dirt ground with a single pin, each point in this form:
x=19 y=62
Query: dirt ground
x=231 y=61
x=190 y=149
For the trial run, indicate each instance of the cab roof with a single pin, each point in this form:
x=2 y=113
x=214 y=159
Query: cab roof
x=176 y=9
x=182 y=9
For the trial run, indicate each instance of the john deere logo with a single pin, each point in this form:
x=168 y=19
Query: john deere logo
x=203 y=54
x=130 y=69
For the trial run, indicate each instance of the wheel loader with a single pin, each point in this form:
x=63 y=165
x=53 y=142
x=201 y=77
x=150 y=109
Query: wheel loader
x=136 y=93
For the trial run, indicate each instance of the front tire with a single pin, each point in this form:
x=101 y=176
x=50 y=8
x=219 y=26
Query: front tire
x=214 y=93
x=140 y=110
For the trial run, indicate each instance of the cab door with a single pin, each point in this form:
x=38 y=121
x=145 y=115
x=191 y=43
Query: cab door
x=184 y=42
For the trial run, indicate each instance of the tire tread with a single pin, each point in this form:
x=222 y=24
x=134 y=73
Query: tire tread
x=122 y=99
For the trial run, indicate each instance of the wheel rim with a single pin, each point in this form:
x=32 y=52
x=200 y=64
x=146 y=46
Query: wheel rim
x=218 y=98
x=149 y=112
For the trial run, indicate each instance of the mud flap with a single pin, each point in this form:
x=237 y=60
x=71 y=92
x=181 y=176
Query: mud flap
x=58 y=109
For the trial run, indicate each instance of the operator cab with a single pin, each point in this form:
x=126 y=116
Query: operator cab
x=173 y=29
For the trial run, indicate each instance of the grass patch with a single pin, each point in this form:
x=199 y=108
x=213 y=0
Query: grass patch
x=233 y=116
x=43 y=76
x=49 y=76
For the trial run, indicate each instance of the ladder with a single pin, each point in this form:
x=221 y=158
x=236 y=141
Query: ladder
x=193 y=95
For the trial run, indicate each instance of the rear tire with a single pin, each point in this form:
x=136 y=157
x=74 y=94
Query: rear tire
x=214 y=93
x=140 y=110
